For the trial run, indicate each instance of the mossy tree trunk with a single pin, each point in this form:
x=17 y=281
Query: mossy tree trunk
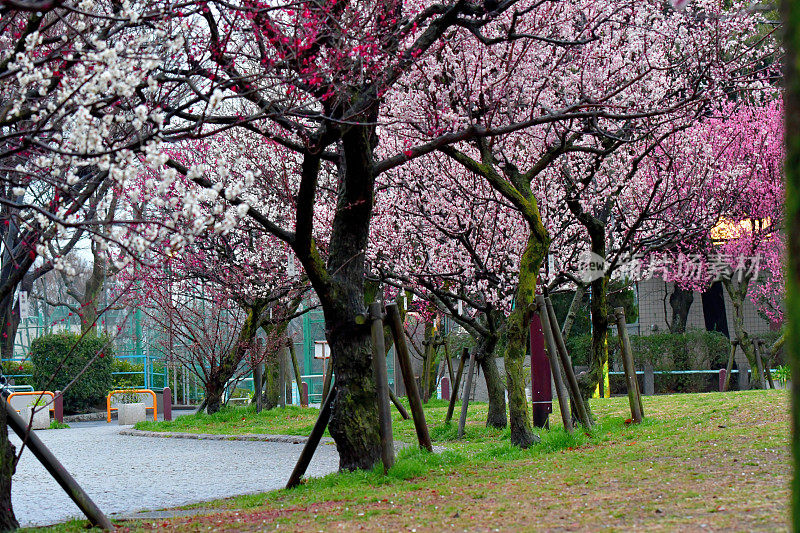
x=496 y=416
x=340 y=286
x=517 y=328
x=598 y=308
x=515 y=186
x=229 y=362
x=737 y=290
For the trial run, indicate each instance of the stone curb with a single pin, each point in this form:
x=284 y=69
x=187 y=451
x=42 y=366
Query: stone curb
x=257 y=437
x=87 y=417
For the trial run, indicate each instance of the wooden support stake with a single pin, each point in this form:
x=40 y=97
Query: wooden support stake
x=297 y=376
x=449 y=364
x=403 y=357
x=627 y=362
x=427 y=364
x=55 y=468
x=327 y=379
x=258 y=385
x=729 y=367
x=762 y=383
x=282 y=377
x=462 y=421
x=381 y=385
x=454 y=385
x=313 y=441
x=552 y=355
x=396 y=402
x=768 y=370
x=566 y=363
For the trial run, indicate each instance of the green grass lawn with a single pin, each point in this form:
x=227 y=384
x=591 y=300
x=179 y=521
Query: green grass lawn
x=242 y=420
x=709 y=462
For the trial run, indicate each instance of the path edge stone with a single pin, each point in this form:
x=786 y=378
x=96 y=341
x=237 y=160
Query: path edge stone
x=257 y=437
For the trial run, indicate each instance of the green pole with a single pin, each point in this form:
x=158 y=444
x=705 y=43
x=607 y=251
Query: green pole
x=137 y=321
x=790 y=12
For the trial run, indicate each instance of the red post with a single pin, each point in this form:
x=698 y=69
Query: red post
x=446 y=388
x=541 y=391
x=167 y=398
x=304 y=399
x=58 y=407
x=722 y=374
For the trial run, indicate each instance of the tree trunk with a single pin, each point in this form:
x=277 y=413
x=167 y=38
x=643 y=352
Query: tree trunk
x=496 y=417
x=574 y=306
x=599 y=316
x=517 y=328
x=738 y=292
x=8 y=522
x=680 y=301
x=354 y=420
x=215 y=386
x=214 y=394
x=354 y=417
x=11 y=321
x=270 y=395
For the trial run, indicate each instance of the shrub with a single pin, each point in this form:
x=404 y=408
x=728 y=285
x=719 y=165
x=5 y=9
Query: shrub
x=127 y=381
x=15 y=368
x=91 y=387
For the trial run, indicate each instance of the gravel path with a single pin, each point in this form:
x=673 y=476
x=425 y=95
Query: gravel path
x=124 y=474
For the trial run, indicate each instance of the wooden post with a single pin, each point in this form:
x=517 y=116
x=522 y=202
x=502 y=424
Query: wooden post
x=304 y=395
x=722 y=379
x=297 y=376
x=449 y=363
x=762 y=383
x=327 y=378
x=403 y=357
x=649 y=380
x=281 y=378
x=58 y=407
x=569 y=372
x=258 y=385
x=454 y=392
x=396 y=402
x=381 y=385
x=627 y=362
x=427 y=363
x=729 y=367
x=462 y=421
x=166 y=403
x=312 y=442
x=552 y=354
x=768 y=370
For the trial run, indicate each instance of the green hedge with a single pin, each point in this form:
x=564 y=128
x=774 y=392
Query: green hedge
x=127 y=381
x=694 y=350
x=11 y=368
x=91 y=388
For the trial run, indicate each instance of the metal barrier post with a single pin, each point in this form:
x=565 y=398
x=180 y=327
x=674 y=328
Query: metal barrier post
x=167 y=401
x=445 y=388
x=58 y=407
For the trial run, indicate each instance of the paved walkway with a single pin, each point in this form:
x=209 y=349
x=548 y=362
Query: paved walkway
x=124 y=474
